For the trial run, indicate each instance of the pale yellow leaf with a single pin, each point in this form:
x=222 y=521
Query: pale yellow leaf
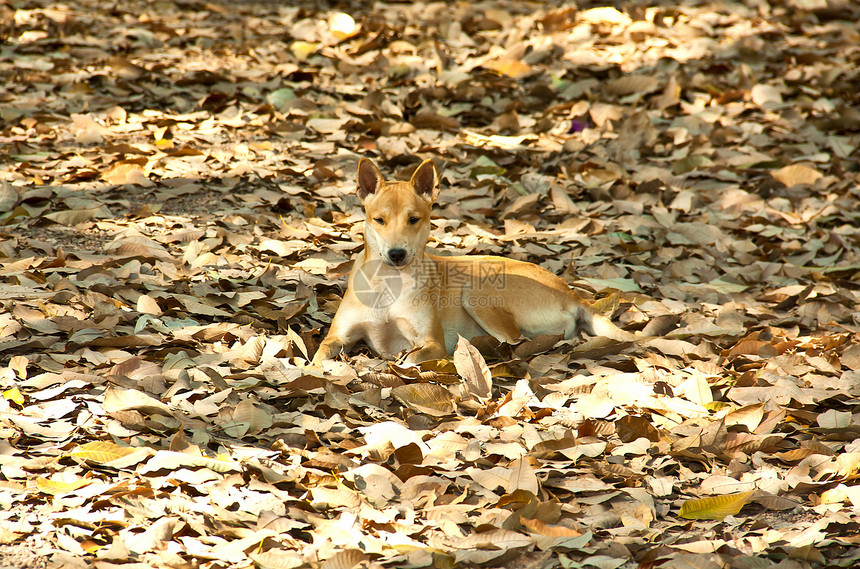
x=57 y=487
x=100 y=451
x=715 y=507
x=302 y=49
x=14 y=395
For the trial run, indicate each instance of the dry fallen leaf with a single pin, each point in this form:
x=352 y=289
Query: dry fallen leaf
x=715 y=507
x=100 y=451
x=473 y=369
x=427 y=398
x=509 y=67
x=127 y=173
x=796 y=174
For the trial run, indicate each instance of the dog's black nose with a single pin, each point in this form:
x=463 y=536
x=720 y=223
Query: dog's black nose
x=397 y=256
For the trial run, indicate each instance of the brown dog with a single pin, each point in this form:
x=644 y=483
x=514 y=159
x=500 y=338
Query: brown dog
x=401 y=298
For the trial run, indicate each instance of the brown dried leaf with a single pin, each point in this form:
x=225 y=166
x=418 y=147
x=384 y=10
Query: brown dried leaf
x=796 y=174
x=429 y=398
x=473 y=369
x=118 y=399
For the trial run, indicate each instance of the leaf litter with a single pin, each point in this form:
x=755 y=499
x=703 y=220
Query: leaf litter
x=178 y=217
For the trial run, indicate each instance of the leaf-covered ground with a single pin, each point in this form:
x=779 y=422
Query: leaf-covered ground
x=178 y=219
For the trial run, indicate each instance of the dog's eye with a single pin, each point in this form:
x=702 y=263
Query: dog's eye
x=379 y=220
x=413 y=220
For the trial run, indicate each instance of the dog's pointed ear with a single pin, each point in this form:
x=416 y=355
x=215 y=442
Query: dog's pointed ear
x=425 y=180
x=369 y=178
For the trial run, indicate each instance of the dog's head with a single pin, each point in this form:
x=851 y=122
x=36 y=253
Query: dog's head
x=398 y=213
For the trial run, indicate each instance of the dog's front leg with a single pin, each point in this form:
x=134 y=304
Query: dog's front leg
x=425 y=333
x=329 y=348
x=342 y=333
x=432 y=349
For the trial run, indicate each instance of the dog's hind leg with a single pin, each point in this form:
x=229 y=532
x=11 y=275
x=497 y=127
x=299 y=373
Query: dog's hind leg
x=497 y=322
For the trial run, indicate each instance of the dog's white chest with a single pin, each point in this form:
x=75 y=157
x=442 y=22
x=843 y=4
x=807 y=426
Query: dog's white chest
x=397 y=306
